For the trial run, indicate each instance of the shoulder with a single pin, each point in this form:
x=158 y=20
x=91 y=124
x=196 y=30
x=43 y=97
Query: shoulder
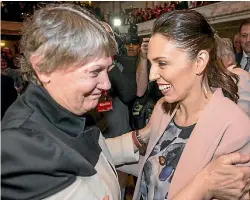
x=34 y=162
x=236 y=120
x=30 y=144
x=241 y=72
x=222 y=110
x=234 y=126
x=17 y=114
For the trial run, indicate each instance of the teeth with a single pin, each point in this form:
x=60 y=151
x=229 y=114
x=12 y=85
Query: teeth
x=164 y=87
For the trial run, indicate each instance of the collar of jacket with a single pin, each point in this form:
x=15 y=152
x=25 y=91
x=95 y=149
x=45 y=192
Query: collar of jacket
x=38 y=98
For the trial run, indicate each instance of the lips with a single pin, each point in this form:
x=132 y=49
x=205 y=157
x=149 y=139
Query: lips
x=97 y=94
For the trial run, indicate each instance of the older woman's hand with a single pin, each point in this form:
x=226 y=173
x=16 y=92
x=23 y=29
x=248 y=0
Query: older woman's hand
x=106 y=197
x=225 y=181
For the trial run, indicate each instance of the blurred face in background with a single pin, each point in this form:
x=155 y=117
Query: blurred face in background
x=8 y=53
x=245 y=38
x=228 y=59
x=237 y=43
x=4 y=63
x=133 y=49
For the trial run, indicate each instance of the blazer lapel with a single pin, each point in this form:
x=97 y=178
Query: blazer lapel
x=200 y=147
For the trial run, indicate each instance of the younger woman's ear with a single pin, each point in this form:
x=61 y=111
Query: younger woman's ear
x=202 y=61
x=35 y=60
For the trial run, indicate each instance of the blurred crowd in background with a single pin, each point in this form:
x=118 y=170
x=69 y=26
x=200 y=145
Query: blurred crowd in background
x=18 y=11
x=138 y=15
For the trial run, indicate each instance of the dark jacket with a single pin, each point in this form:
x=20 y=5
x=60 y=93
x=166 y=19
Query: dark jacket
x=38 y=136
x=123 y=78
x=238 y=57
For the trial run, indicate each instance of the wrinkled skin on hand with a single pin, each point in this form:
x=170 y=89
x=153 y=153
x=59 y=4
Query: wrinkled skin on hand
x=225 y=181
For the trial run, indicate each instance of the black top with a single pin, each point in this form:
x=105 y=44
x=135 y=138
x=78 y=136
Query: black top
x=44 y=147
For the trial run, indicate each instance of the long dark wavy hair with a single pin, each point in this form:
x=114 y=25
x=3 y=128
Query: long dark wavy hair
x=191 y=32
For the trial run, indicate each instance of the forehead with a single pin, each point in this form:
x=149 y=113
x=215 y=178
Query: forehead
x=245 y=28
x=160 y=46
x=78 y=68
x=103 y=62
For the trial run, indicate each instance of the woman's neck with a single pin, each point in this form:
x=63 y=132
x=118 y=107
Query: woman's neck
x=190 y=108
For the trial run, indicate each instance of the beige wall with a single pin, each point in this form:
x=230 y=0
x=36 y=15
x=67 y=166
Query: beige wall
x=228 y=29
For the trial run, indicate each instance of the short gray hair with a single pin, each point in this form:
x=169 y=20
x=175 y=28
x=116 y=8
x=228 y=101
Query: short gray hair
x=225 y=47
x=63 y=34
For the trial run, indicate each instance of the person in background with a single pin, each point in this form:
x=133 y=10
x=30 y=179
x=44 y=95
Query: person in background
x=237 y=44
x=148 y=92
x=244 y=58
x=133 y=45
x=8 y=55
x=142 y=69
x=48 y=151
x=13 y=73
x=225 y=52
x=123 y=91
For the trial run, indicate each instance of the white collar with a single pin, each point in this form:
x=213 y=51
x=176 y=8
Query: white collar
x=245 y=55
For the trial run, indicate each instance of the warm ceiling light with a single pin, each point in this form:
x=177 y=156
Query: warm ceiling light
x=2 y=43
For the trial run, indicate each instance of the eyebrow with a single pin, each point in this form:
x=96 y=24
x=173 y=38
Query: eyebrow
x=159 y=58
x=100 y=67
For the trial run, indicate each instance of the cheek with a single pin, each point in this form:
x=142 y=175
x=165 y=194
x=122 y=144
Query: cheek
x=87 y=87
x=182 y=78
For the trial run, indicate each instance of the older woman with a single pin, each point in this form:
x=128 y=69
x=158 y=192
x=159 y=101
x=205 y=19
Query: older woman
x=48 y=150
x=225 y=52
x=198 y=119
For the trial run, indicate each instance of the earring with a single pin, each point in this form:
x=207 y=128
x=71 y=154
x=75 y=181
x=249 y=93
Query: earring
x=205 y=91
x=198 y=73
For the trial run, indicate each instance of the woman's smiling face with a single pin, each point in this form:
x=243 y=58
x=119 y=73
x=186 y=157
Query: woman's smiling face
x=174 y=72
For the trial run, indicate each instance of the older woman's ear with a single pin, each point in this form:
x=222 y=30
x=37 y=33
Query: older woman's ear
x=43 y=77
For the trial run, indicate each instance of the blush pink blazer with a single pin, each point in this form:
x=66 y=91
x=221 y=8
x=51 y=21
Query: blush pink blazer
x=221 y=129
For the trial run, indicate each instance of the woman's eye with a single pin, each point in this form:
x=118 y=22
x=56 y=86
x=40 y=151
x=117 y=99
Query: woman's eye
x=94 y=73
x=161 y=63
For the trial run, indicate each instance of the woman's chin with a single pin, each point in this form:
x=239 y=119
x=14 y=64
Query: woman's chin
x=169 y=99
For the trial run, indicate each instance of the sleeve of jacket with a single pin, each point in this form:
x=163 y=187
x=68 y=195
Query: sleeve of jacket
x=79 y=190
x=122 y=149
x=123 y=84
x=239 y=129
